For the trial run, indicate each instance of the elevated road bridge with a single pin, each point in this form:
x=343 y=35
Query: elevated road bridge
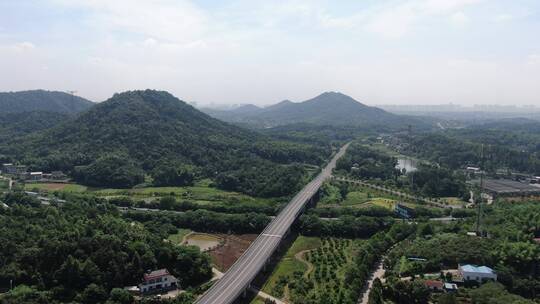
x=239 y=277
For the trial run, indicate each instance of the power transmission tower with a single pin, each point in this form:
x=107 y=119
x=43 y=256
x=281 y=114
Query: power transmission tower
x=479 y=203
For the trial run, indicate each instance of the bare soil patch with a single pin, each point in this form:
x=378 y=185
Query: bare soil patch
x=231 y=249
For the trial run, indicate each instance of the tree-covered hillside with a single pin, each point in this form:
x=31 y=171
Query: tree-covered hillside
x=116 y=142
x=83 y=252
x=40 y=100
x=17 y=124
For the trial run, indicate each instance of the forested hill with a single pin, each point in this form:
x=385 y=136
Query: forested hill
x=19 y=124
x=40 y=100
x=330 y=108
x=117 y=141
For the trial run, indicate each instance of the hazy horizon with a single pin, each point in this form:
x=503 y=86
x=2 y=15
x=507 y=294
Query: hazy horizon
x=417 y=52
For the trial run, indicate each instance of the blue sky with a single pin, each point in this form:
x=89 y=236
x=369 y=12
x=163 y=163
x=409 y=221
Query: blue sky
x=249 y=51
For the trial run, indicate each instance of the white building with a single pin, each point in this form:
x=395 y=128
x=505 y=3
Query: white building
x=158 y=280
x=479 y=274
x=35 y=176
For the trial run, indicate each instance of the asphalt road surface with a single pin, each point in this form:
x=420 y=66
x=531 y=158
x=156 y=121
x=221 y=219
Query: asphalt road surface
x=246 y=268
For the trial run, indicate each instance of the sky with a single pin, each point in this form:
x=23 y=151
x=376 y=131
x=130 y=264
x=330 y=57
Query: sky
x=261 y=52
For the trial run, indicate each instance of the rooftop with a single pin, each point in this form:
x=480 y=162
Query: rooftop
x=156 y=274
x=477 y=269
x=450 y=286
x=506 y=186
x=433 y=283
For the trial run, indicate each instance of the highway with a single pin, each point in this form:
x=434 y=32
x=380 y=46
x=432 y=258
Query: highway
x=238 y=278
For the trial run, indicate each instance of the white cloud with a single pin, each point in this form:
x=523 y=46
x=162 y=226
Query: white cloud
x=169 y=20
x=395 y=21
x=445 y=6
x=18 y=47
x=533 y=59
x=459 y=19
x=503 y=17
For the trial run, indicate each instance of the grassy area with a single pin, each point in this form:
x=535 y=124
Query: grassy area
x=452 y=201
x=356 y=198
x=201 y=193
x=62 y=187
x=289 y=264
x=385 y=150
x=383 y=202
x=178 y=237
x=323 y=280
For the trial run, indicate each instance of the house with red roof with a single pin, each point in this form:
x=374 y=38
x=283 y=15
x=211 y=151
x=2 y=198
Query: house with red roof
x=158 y=280
x=434 y=285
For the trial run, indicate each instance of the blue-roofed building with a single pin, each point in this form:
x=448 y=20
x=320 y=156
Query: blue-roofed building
x=479 y=274
x=403 y=211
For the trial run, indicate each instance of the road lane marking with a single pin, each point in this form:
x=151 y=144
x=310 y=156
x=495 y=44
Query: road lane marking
x=271 y=235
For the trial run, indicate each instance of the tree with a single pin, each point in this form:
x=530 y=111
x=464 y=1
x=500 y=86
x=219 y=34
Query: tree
x=120 y=296
x=173 y=174
x=167 y=203
x=376 y=295
x=93 y=294
x=111 y=170
x=447 y=298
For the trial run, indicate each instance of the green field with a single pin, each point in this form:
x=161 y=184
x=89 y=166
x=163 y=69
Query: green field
x=178 y=237
x=201 y=193
x=323 y=280
x=51 y=187
x=289 y=264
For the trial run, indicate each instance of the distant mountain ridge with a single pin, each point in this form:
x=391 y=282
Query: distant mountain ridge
x=330 y=108
x=41 y=100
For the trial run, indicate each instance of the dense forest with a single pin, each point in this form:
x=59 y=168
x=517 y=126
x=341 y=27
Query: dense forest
x=511 y=145
x=119 y=142
x=14 y=125
x=366 y=163
x=81 y=251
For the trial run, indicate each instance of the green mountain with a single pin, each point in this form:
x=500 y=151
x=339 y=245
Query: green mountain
x=40 y=100
x=137 y=133
x=13 y=125
x=330 y=108
x=230 y=115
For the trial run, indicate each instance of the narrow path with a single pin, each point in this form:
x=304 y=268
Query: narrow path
x=264 y=295
x=378 y=273
x=300 y=257
x=216 y=274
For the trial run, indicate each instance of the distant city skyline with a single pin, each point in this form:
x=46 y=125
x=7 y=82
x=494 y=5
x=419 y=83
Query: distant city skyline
x=391 y=52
